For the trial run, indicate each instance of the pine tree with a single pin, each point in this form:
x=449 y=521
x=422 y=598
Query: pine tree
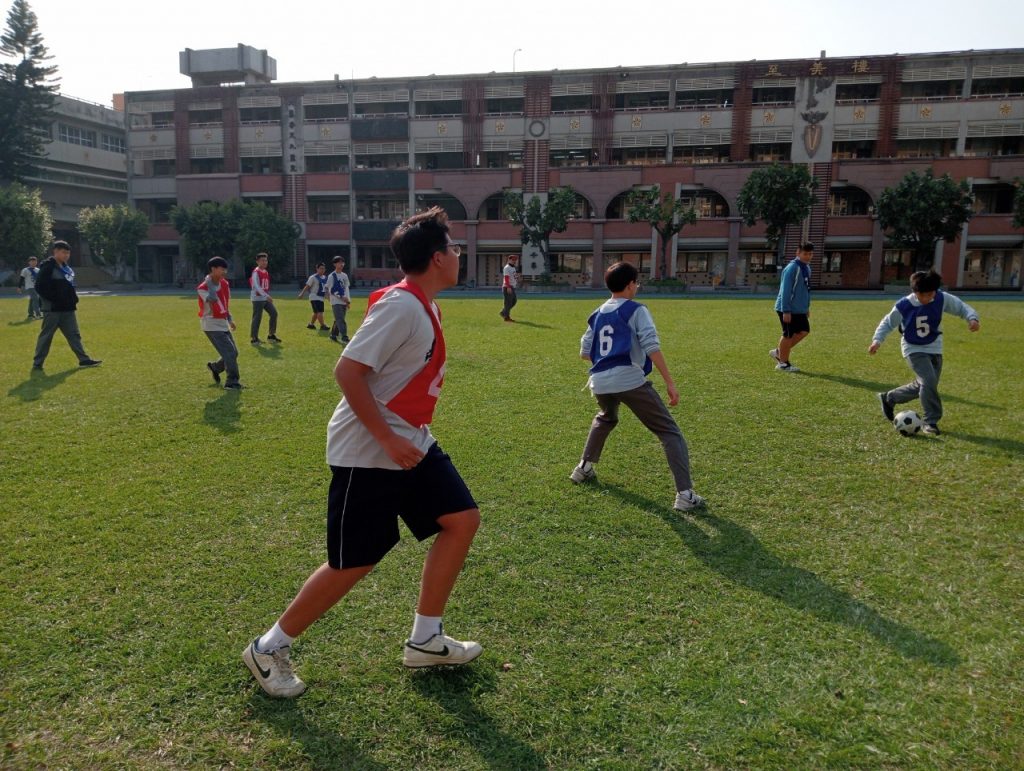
x=28 y=89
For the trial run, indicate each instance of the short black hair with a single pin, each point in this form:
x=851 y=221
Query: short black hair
x=216 y=262
x=337 y=259
x=416 y=240
x=807 y=246
x=321 y=265
x=262 y=254
x=925 y=281
x=620 y=275
x=60 y=245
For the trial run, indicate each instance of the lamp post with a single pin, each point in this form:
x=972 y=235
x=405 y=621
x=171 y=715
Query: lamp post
x=514 y=58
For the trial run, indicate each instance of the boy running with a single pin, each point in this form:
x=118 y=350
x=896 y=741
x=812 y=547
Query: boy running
x=386 y=464
x=793 y=305
x=918 y=317
x=216 y=322
x=621 y=342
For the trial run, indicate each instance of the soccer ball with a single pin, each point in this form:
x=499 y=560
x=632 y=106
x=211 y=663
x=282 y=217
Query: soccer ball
x=907 y=422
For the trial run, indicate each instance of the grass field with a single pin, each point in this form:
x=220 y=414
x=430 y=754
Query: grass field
x=850 y=598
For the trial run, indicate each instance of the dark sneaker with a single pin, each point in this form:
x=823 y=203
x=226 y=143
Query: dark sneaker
x=274 y=338
x=931 y=429
x=215 y=373
x=37 y=367
x=273 y=671
x=344 y=339
x=334 y=338
x=310 y=326
x=256 y=341
x=323 y=328
x=234 y=386
x=89 y=363
x=440 y=650
x=886 y=408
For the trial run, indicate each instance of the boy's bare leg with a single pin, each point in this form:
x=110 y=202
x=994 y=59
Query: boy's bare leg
x=320 y=593
x=445 y=559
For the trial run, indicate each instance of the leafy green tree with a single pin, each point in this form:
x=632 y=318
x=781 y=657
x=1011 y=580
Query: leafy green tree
x=26 y=227
x=537 y=221
x=923 y=210
x=28 y=91
x=665 y=213
x=779 y=196
x=113 y=234
x=235 y=229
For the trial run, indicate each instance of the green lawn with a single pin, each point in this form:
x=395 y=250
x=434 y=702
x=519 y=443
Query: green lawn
x=850 y=598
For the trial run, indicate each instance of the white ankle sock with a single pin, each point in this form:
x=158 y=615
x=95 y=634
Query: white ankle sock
x=425 y=627
x=273 y=640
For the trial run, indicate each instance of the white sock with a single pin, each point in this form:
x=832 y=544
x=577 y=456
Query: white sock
x=586 y=465
x=425 y=627
x=273 y=640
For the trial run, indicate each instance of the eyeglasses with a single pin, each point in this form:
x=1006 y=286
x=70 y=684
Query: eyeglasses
x=455 y=249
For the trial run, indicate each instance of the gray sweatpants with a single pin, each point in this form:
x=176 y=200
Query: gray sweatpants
x=33 y=303
x=928 y=368
x=228 y=361
x=258 y=306
x=647 y=405
x=340 y=326
x=67 y=323
x=509 y=296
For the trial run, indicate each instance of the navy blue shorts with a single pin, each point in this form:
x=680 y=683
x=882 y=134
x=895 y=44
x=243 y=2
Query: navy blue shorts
x=798 y=323
x=318 y=306
x=364 y=504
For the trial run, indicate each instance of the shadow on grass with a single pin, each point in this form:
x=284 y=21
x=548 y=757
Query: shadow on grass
x=223 y=413
x=323 y=745
x=734 y=552
x=39 y=383
x=454 y=690
x=870 y=385
x=21 y=323
x=268 y=351
x=522 y=323
x=1011 y=447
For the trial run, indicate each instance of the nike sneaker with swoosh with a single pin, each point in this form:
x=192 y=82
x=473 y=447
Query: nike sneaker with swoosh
x=273 y=671
x=440 y=650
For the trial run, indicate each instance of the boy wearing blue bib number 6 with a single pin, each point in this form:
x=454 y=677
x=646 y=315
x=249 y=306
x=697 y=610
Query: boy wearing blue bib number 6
x=918 y=317
x=621 y=343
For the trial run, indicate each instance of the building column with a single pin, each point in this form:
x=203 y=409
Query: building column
x=733 y=256
x=877 y=258
x=597 y=261
x=471 y=258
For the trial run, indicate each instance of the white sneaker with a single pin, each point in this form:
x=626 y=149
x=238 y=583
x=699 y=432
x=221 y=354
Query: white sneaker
x=786 y=367
x=774 y=353
x=273 y=671
x=580 y=474
x=687 y=500
x=440 y=650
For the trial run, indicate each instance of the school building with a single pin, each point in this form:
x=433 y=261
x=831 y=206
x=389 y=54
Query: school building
x=347 y=159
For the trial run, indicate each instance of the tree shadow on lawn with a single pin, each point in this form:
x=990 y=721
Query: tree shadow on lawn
x=39 y=383
x=870 y=385
x=736 y=554
x=323 y=746
x=454 y=689
x=223 y=413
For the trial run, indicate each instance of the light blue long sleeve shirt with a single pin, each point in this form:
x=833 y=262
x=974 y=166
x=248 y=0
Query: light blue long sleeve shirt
x=645 y=342
x=952 y=305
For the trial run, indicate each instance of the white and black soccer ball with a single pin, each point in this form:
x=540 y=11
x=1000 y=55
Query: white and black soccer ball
x=907 y=422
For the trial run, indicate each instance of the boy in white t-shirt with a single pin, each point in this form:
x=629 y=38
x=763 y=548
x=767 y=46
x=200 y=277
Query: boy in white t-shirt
x=27 y=281
x=509 y=282
x=386 y=464
x=316 y=285
x=340 y=299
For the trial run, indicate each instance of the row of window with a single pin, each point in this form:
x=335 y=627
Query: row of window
x=76 y=135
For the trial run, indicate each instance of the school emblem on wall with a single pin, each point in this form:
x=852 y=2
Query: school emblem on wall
x=812 y=117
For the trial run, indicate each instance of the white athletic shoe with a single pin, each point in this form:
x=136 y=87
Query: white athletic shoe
x=687 y=500
x=580 y=474
x=774 y=353
x=783 y=366
x=440 y=650
x=273 y=671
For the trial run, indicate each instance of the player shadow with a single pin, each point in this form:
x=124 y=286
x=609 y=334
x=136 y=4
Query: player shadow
x=1011 y=447
x=21 y=323
x=39 y=383
x=268 y=351
x=455 y=689
x=535 y=325
x=223 y=413
x=322 y=744
x=735 y=553
x=870 y=385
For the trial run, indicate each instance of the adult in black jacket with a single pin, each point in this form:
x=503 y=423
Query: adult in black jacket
x=58 y=298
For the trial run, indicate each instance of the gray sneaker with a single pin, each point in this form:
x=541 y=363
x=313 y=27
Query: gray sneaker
x=785 y=366
x=580 y=474
x=439 y=650
x=687 y=500
x=273 y=671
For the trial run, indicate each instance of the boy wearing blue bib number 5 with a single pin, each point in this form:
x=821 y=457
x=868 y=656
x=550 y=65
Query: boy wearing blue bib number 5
x=621 y=343
x=918 y=317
